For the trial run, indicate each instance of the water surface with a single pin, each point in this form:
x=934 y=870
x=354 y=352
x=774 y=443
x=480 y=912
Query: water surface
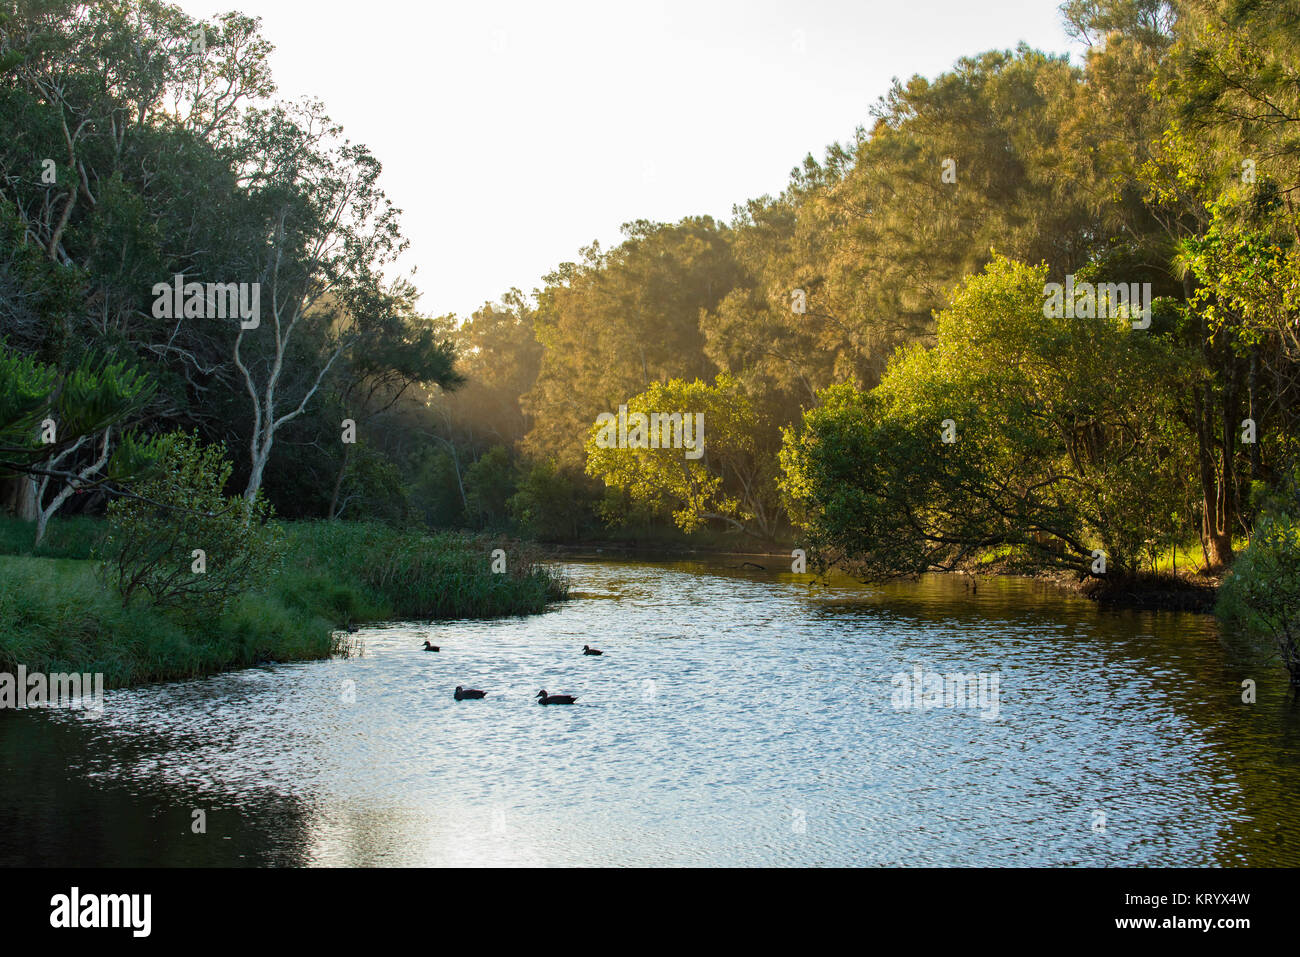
x=738 y=717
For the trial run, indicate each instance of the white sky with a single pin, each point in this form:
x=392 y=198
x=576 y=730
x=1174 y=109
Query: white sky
x=513 y=132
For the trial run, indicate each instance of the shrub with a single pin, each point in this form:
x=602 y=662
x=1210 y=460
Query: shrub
x=1262 y=592
x=548 y=504
x=155 y=537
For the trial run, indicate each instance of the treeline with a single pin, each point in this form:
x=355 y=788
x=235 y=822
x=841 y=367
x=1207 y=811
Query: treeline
x=900 y=282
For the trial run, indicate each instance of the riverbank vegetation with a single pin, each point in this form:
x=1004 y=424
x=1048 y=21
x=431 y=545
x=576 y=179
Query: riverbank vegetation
x=1035 y=309
x=62 y=614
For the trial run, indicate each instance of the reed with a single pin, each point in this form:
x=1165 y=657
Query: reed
x=56 y=614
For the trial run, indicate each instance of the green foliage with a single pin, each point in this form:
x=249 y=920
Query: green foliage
x=500 y=357
x=25 y=389
x=59 y=617
x=154 y=535
x=1262 y=592
x=360 y=571
x=136 y=458
x=621 y=319
x=97 y=393
x=1084 y=451
x=719 y=477
x=434 y=489
x=372 y=488
x=489 y=483
x=549 y=505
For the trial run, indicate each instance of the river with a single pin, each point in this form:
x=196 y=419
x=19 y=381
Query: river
x=737 y=717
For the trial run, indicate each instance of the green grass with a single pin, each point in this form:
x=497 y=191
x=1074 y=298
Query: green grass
x=57 y=614
x=64 y=537
x=1185 y=561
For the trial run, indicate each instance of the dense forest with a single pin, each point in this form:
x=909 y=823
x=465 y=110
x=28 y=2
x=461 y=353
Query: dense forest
x=883 y=378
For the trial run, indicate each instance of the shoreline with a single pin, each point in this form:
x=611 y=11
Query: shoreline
x=1144 y=592
x=61 y=617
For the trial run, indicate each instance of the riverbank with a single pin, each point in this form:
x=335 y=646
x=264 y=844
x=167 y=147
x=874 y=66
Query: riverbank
x=1162 y=590
x=1147 y=591
x=58 y=615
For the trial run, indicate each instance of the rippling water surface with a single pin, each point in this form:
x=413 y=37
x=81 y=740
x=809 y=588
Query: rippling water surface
x=737 y=717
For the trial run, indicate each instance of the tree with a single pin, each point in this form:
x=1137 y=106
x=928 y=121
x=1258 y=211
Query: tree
x=548 y=504
x=489 y=483
x=853 y=259
x=1055 y=436
x=1262 y=592
x=320 y=234
x=435 y=489
x=696 y=457
x=618 y=321
x=410 y=351
x=47 y=417
x=500 y=357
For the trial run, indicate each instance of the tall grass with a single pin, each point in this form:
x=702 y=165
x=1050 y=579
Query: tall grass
x=58 y=615
x=366 y=571
x=76 y=537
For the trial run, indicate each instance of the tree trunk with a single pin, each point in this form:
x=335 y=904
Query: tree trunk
x=1216 y=543
x=338 y=482
x=1228 y=479
x=1252 y=390
x=25 y=504
x=260 y=453
x=45 y=512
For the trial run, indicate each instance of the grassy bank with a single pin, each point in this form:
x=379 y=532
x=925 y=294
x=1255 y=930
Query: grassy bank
x=58 y=614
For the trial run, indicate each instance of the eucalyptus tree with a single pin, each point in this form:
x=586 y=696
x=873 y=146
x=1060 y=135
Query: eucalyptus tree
x=319 y=232
x=104 y=172
x=865 y=246
x=1233 y=82
x=500 y=358
x=1208 y=147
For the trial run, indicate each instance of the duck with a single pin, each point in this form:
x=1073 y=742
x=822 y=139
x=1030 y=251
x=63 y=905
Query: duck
x=470 y=693
x=544 y=698
x=591 y=651
x=350 y=628
x=429 y=647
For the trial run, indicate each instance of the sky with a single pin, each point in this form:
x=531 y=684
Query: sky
x=512 y=133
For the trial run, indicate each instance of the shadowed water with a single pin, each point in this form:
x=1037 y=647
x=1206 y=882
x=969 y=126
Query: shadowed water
x=737 y=717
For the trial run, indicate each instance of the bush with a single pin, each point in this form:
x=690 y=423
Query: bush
x=372 y=488
x=183 y=541
x=435 y=489
x=1262 y=592
x=549 y=504
x=368 y=571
